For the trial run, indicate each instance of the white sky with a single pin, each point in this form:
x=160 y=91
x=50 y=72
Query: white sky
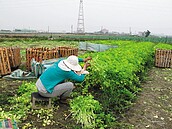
x=114 y=15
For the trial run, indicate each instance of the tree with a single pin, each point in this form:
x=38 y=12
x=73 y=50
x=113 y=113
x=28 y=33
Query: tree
x=147 y=33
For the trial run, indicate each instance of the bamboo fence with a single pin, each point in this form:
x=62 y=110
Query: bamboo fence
x=163 y=58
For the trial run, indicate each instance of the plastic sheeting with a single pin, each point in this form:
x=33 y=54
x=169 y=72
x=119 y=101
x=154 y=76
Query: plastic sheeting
x=20 y=75
x=95 y=47
x=38 y=68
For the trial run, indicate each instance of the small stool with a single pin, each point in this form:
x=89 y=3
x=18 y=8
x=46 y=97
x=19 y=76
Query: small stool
x=35 y=96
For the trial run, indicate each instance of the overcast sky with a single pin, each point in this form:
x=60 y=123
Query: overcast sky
x=114 y=15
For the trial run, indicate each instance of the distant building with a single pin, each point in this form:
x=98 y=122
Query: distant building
x=141 y=33
x=103 y=31
x=144 y=34
x=116 y=33
x=5 y=31
x=17 y=30
x=24 y=31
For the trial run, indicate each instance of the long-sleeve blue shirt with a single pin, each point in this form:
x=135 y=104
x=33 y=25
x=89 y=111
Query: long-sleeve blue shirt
x=54 y=75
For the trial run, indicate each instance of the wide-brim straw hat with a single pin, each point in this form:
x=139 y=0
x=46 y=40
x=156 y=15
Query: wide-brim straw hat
x=71 y=63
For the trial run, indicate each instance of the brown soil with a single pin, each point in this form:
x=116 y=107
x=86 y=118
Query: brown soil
x=7 y=89
x=61 y=116
x=152 y=109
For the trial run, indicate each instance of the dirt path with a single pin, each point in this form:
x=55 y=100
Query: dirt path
x=153 y=108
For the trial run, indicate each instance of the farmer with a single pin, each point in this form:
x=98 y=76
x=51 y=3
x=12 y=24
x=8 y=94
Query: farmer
x=51 y=82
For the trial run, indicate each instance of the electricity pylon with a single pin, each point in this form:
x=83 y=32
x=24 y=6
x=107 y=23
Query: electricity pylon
x=80 y=25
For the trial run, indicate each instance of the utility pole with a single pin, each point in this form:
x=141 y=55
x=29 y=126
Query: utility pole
x=80 y=25
x=130 y=31
x=71 y=28
x=48 y=29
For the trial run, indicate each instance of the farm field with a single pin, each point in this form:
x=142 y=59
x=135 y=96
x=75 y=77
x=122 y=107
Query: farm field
x=86 y=37
x=123 y=88
x=152 y=109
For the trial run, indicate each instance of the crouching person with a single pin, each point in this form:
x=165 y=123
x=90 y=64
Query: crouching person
x=52 y=82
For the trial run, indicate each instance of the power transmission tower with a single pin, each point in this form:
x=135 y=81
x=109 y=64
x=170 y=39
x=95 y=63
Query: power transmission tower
x=80 y=25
